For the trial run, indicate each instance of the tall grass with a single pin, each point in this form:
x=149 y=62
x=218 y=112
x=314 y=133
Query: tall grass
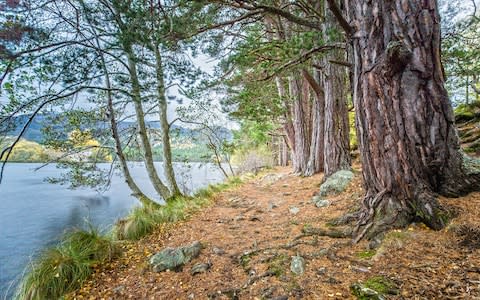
x=63 y=268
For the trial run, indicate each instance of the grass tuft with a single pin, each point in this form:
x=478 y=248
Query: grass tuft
x=63 y=268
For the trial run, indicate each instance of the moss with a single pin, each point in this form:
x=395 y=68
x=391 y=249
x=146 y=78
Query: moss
x=382 y=285
x=278 y=265
x=374 y=288
x=245 y=261
x=367 y=254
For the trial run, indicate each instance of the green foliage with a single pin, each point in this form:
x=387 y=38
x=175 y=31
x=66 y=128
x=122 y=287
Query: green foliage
x=63 y=268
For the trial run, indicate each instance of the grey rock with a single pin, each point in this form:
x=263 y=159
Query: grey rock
x=284 y=297
x=271 y=206
x=119 y=289
x=319 y=202
x=322 y=271
x=200 y=268
x=174 y=258
x=336 y=183
x=218 y=251
x=360 y=269
x=294 y=210
x=362 y=292
x=297 y=265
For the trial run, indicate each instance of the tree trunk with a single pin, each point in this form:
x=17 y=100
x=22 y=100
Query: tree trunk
x=300 y=154
x=316 y=158
x=165 y=127
x=407 y=139
x=337 y=127
x=160 y=188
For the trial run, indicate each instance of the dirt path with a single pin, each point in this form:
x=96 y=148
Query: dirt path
x=250 y=235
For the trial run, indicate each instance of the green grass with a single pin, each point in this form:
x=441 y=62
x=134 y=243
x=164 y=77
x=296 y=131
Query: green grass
x=63 y=268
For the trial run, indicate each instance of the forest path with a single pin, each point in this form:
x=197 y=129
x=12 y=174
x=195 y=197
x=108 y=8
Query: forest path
x=251 y=233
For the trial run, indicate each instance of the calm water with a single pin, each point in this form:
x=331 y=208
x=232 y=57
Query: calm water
x=34 y=213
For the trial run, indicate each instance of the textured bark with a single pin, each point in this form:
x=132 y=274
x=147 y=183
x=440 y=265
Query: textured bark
x=165 y=127
x=283 y=155
x=408 y=143
x=300 y=153
x=337 y=128
x=315 y=162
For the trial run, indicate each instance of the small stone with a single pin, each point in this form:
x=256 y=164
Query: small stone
x=191 y=296
x=284 y=297
x=287 y=194
x=118 y=289
x=200 y=268
x=271 y=206
x=360 y=269
x=294 y=210
x=322 y=271
x=218 y=251
x=297 y=266
x=255 y=218
x=319 y=202
x=239 y=218
x=362 y=292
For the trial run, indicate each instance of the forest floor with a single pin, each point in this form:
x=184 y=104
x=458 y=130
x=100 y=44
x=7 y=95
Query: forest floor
x=250 y=234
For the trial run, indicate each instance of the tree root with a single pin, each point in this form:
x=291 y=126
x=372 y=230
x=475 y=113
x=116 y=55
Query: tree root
x=337 y=234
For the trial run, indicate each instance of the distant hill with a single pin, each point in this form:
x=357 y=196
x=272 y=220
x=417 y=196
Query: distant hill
x=35 y=130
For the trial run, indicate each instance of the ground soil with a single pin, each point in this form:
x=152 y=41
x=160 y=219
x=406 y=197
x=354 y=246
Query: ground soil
x=256 y=218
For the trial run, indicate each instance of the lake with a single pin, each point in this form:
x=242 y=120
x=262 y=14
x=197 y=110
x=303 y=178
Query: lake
x=34 y=213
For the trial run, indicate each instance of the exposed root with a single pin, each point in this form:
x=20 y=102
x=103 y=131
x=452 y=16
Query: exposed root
x=384 y=211
x=337 y=234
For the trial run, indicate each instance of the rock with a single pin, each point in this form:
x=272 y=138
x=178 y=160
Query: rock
x=287 y=194
x=319 y=202
x=336 y=183
x=119 y=289
x=360 y=269
x=174 y=258
x=362 y=292
x=200 y=268
x=294 y=210
x=271 y=178
x=284 y=297
x=218 y=251
x=297 y=266
x=322 y=271
x=271 y=206
x=255 y=218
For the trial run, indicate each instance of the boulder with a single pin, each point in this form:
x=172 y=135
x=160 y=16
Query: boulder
x=174 y=258
x=336 y=183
